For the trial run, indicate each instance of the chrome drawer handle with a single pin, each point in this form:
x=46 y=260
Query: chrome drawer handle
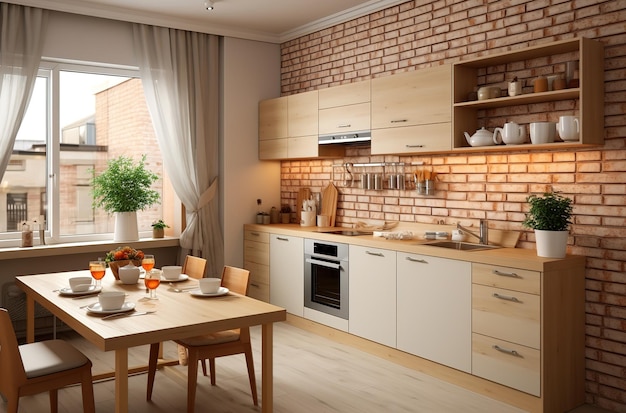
x=507 y=351
x=256 y=234
x=254 y=285
x=414 y=146
x=421 y=261
x=345 y=125
x=506 y=274
x=399 y=121
x=506 y=297
x=282 y=239
x=377 y=254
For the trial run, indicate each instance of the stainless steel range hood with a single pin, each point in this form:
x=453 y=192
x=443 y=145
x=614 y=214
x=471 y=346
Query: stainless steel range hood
x=353 y=137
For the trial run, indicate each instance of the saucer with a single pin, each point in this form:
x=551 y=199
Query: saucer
x=199 y=293
x=182 y=277
x=96 y=308
x=91 y=290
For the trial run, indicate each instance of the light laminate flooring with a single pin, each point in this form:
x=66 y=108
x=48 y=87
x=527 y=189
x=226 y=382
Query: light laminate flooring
x=312 y=374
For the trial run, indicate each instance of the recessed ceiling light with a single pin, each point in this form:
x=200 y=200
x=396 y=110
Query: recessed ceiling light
x=208 y=5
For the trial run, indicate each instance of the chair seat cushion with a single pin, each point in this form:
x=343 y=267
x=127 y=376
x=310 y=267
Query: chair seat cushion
x=213 y=338
x=52 y=356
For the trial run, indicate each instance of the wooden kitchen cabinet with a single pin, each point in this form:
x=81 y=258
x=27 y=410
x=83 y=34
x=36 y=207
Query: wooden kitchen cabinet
x=372 y=296
x=287 y=273
x=345 y=108
x=528 y=331
x=434 y=309
x=256 y=259
x=412 y=111
x=288 y=129
x=586 y=100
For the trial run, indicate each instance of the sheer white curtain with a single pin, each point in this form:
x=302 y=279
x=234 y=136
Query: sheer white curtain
x=21 y=40
x=180 y=77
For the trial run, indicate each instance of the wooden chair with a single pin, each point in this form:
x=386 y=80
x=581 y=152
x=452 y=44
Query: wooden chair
x=194 y=266
x=37 y=367
x=211 y=346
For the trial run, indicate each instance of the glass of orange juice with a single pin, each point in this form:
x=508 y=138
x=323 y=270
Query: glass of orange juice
x=152 y=281
x=148 y=263
x=97 y=269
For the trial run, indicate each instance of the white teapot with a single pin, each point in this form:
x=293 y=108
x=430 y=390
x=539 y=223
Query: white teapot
x=482 y=137
x=511 y=134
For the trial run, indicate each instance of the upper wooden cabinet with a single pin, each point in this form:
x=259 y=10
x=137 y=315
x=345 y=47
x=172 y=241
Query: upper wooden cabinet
x=412 y=111
x=585 y=101
x=288 y=129
x=345 y=108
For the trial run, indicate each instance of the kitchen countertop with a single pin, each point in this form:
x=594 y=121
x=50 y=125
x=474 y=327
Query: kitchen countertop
x=505 y=256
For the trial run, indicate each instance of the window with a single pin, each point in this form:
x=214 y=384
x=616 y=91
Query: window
x=78 y=118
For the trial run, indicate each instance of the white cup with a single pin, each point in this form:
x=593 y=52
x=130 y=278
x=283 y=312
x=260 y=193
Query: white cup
x=511 y=134
x=323 y=220
x=307 y=218
x=542 y=132
x=568 y=128
x=111 y=300
x=129 y=275
x=209 y=285
x=171 y=272
x=80 y=284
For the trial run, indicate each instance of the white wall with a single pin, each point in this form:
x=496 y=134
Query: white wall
x=251 y=72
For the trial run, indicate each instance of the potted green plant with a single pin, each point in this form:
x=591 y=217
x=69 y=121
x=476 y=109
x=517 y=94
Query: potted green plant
x=550 y=216
x=124 y=188
x=158 y=229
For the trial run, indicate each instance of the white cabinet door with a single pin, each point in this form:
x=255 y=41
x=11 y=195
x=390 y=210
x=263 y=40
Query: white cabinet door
x=373 y=294
x=435 y=309
x=287 y=273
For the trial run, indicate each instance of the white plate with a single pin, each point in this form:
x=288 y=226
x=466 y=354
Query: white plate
x=220 y=292
x=91 y=290
x=182 y=277
x=97 y=309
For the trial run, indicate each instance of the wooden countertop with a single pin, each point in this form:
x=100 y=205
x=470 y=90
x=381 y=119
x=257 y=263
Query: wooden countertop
x=506 y=257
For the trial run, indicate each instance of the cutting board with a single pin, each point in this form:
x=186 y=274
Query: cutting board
x=329 y=203
x=303 y=195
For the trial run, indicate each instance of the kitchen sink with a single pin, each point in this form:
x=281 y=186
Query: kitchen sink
x=463 y=246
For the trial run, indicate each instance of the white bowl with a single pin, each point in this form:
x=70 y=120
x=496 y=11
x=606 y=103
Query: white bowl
x=80 y=284
x=210 y=285
x=171 y=272
x=111 y=300
x=129 y=275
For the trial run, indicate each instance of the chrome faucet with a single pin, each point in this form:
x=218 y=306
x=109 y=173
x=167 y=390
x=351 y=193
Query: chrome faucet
x=483 y=235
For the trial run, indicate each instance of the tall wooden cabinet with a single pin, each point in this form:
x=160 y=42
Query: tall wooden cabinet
x=256 y=259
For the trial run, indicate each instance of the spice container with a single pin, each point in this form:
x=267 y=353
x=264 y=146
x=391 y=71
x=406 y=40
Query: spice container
x=27 y=235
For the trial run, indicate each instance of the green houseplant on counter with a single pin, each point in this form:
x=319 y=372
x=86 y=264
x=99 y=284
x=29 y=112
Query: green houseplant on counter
x=550 y=216
x=124 y=188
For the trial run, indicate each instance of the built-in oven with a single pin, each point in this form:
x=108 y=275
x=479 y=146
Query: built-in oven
x=326 y=277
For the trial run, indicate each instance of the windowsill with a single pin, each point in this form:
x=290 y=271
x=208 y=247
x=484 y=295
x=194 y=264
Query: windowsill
x=96 y=247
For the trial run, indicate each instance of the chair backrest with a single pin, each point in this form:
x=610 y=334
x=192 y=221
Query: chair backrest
x=236 y=279
x=10 y=360
x=194 y=266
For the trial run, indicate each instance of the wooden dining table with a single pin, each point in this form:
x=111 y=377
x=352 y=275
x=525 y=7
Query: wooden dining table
x=176 y=315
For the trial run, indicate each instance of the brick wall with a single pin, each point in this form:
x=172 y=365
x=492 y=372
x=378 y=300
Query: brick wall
x=493 y=186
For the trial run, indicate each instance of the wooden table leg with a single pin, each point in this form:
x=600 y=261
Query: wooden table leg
x=30 y=319
x=121 y=380
x=267 y=375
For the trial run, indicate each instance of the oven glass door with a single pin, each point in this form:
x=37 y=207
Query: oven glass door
x=326 y=283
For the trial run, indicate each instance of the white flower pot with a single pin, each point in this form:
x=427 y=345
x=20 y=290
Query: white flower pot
x=551 y=244
x=126 y=227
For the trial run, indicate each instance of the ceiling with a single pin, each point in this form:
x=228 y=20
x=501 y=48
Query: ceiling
x=274 y=21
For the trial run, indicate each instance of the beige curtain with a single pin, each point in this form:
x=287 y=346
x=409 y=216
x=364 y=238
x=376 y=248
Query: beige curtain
x=21 y=41
x=180 y=77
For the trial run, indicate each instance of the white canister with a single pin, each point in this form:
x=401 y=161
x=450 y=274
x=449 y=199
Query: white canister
x=307 y=218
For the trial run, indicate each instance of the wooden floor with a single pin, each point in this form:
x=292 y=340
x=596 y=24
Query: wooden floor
x=311 y=375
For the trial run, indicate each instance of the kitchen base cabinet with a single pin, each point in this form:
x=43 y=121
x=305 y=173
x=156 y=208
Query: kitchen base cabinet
x=287 y=273
x=434 y=309
x=256 y=259
x=372 y=295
